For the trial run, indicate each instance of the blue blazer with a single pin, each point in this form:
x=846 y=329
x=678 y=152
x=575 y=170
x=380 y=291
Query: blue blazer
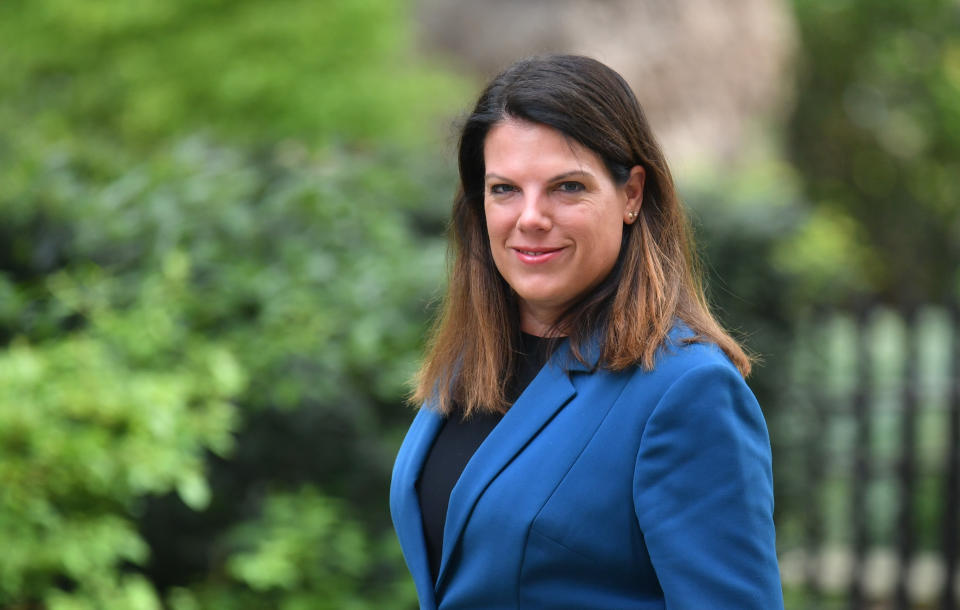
x=603 y=490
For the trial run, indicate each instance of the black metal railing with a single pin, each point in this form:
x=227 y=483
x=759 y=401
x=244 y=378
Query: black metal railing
x=871 y=439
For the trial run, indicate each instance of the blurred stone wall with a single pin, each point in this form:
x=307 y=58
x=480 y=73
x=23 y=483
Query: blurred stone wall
x=704 y=71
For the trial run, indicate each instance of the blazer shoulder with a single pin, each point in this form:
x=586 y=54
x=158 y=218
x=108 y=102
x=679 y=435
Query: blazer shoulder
x=681 y=353
x=686 y=369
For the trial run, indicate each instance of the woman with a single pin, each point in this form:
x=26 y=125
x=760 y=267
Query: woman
x=586 y=438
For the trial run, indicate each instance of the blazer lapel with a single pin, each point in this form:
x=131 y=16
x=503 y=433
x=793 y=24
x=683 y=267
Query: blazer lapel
x=405 y=506
x=550 y=390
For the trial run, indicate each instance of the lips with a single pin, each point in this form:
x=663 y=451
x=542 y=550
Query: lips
x=536 y=255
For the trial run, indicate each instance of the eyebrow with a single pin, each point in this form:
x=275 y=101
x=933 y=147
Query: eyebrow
x=570 y=174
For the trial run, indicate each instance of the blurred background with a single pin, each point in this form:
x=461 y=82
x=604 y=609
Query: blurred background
x=222 y=238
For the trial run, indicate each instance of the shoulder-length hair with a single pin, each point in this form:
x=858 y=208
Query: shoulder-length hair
x=654 y=283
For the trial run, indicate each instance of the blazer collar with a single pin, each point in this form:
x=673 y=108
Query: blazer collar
x=590 y=351
x=549 y=391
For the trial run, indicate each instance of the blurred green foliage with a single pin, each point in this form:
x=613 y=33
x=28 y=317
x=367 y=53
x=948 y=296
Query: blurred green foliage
x=304 y=553
x=91 y=423
x=216 y=254
x=876 y=135
x=182 y=275
x=141 y=73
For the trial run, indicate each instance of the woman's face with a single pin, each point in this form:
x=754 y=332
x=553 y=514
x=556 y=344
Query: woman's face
x=554 y=217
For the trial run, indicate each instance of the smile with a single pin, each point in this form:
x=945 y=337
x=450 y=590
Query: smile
x=537 y=255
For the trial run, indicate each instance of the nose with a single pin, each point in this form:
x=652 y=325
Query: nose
x=535 y=214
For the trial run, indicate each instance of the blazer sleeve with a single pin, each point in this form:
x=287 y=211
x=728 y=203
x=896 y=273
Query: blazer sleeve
x=703 y=494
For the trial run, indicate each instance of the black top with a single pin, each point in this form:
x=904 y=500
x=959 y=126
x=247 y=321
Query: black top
x=456 y=443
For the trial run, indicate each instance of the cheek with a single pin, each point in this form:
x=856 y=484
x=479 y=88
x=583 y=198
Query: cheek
x=607 y=243
x=602 y=226
x=488 y=220
x=498 y=224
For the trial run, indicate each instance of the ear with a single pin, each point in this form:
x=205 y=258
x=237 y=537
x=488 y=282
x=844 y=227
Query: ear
x=633 y=189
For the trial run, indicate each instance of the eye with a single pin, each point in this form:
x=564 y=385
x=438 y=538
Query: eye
x=502 y=189
x=570 y=187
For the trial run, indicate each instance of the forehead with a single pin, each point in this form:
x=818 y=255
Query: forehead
x=522 y=147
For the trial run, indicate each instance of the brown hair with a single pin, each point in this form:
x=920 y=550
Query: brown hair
x=654 y=282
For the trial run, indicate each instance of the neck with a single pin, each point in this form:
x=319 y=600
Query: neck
x=538 y=325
